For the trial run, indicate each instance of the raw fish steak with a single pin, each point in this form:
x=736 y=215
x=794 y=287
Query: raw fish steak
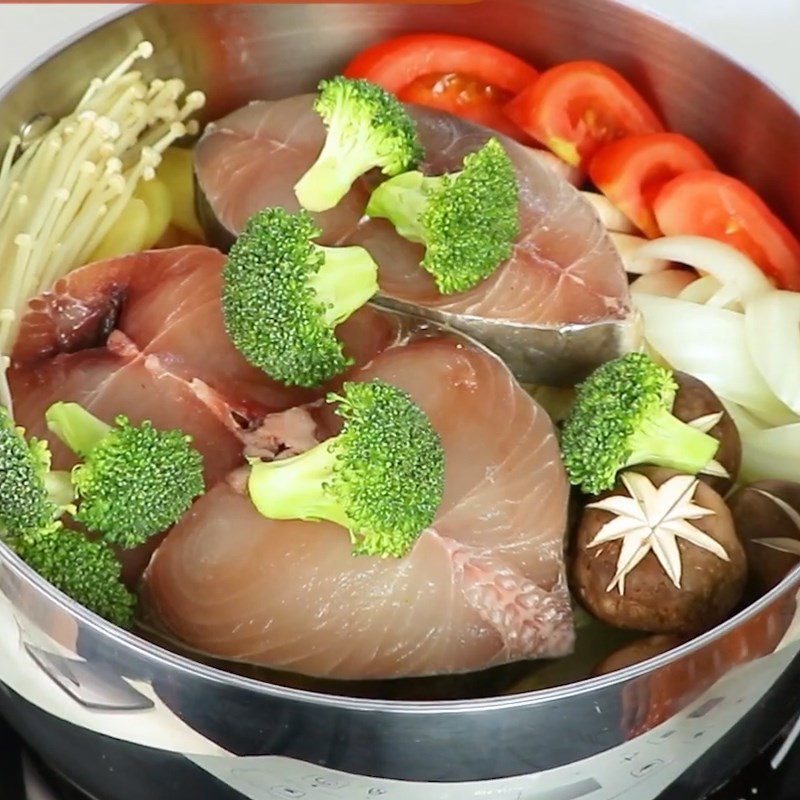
x=485 y=585
x=556 y=309
x=143 y=335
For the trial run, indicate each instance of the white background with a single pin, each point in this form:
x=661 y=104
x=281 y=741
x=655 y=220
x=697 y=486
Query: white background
x=763 y=34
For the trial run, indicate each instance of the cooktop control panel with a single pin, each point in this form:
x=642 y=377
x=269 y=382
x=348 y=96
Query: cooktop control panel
x=775 y=775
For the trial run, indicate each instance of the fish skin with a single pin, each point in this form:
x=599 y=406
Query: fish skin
x=484 y=585
x=554 y=311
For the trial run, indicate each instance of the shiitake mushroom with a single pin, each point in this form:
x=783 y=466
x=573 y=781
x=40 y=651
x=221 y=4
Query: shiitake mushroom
x=765 y=511
x=710 y=587
x=694 y=400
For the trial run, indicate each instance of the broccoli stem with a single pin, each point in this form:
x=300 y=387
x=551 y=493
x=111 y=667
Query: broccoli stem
x=294 y=488
x=75 y=427
x=333 y=174
x=346 y=281
x=60 y=489
x=666 y=441
x=403 y=200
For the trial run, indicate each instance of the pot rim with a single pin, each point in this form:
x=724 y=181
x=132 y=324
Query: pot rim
x=537 y=697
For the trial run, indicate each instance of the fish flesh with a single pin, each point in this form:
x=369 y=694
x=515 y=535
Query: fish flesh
x=143 y=335
x=556 y=309
x=484 y=585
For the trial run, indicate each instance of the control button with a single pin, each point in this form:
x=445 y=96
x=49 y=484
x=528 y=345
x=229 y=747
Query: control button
x=709 y=705
x=287 y=792
x=647 y=768
x=631 y=757
x=376 y=792
x=326 y=782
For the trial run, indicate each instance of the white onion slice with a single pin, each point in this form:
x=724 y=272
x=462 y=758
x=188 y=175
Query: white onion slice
x=745 y=422
x=666 y=283
x=773 y=453
x=710 y=343
x=573 y=175
x=613 y=219
x=701 y=290
x=772 y=326
x=732 y=269
x=629 y=248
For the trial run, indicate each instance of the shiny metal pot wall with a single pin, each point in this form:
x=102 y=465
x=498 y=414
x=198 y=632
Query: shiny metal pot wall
x=124 y=719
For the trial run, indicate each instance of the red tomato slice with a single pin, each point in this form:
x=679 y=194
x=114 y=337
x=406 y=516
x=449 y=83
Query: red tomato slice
x=632 y=171
x=577 y=107
x=463 y=76
x=711 y=204
x=464 y=97
x=397 y=62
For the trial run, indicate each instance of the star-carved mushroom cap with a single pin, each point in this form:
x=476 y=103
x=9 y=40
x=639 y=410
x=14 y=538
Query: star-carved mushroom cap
x=658 y=553
x=652 y=518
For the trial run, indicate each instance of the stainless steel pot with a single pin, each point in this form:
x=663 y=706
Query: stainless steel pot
x=125 y=719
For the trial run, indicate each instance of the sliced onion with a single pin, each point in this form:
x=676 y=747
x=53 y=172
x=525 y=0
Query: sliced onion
x=629 y=248
x=710 y=343
x=772 y=326
x=666 y=283
x=733 y=270
x=609 y=214
x=701 y=291
x=745 y=422
x=569 y=173
x=772 y=453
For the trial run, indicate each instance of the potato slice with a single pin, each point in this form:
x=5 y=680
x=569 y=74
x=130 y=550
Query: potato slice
x=157 y=198
x=176 y=172
x=127 y=235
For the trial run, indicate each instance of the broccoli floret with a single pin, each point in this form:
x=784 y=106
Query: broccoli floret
x=32 y=497
x=622 y=417
x=468 y=220
x=283 y=296
x=382 y=477
x=24 y=467
x=135 y=481
x=367 y=128
x=86 y=571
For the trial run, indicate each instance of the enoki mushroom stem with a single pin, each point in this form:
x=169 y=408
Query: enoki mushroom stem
x=64 y=191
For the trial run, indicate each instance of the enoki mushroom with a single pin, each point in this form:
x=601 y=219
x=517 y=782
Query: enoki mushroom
x=61 y=193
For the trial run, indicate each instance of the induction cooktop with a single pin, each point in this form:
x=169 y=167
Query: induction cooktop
x=774 y=775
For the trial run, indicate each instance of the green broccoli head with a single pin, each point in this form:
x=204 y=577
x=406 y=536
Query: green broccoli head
x=32 y=496
x=25 y=502
x=367 y=128
x=468 y=220
x=283 y=296
x=135 y=481
x=622 y=417
x=87 y=571
x=382 y=477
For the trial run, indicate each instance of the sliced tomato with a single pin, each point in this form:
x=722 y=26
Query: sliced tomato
x=632 y=171
x=397 y=62
x=577 y=107
x=457 y=74
x=463 y=97
x=711 y=204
